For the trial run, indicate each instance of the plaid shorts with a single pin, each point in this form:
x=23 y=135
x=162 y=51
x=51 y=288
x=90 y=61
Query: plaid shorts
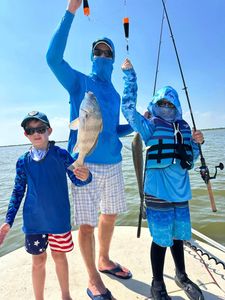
x=36 y=244
x=168 y=221
x=105 y=193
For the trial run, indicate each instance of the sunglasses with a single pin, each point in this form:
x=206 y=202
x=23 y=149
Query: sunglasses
x=40 y=130
x=99 y=52
x=165 y=104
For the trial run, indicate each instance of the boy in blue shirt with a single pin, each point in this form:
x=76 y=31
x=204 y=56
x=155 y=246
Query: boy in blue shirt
x=41 y=173
x=171 y=152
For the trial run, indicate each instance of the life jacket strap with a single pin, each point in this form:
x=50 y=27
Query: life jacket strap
x=179 y=151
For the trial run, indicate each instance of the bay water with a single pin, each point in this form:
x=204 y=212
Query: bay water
x=204 y=220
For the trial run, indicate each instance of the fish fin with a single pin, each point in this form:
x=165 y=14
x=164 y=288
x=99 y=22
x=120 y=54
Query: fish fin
x=92 y=148
x=128 y=148
x=74 y=125
x=75 y=149
x=79 y=161
x=101 y=128
x=71 y=167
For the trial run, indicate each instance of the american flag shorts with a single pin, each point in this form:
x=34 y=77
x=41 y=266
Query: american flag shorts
x=105 y=193
x=37 y=243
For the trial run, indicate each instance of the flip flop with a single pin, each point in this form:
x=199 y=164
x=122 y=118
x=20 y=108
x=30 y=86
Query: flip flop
x=106 y=296
x=116 y=270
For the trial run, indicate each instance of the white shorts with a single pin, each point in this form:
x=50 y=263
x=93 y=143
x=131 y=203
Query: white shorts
x=105 y=193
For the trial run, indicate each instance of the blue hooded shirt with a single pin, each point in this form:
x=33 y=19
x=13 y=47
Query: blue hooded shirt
x=108 y=148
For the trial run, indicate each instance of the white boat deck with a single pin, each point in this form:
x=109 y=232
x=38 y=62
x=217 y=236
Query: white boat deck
x=15 y=271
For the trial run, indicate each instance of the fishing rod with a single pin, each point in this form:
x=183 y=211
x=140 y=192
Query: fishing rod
x=158 y=55
x=137 y=148
x=137 y=145
x=203 y=169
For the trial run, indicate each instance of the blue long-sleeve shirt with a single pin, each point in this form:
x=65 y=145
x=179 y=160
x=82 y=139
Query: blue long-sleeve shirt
x=46 y=206
x=171 y=183
x=108 y=148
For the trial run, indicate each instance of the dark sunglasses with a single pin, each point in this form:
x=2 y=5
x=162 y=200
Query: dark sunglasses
x=165 y=104
x=99 y=52
x=40 y=130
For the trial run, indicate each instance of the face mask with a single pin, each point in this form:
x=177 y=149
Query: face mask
x=37 y=154
x=102 y=67
x=166 y=113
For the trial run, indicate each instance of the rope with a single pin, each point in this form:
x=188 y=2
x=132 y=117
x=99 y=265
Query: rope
x=200 y=254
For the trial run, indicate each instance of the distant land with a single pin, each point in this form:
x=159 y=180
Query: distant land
x=206 y=129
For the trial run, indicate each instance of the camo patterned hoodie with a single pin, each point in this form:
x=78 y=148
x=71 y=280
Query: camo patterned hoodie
x=171 y=183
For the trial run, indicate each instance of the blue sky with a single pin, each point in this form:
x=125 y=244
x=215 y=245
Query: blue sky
x=26 y=82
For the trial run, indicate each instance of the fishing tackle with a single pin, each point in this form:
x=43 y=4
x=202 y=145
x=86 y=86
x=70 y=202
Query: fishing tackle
x=126 y=30
x=126 y=26
x=204 y=171
x=86 y=8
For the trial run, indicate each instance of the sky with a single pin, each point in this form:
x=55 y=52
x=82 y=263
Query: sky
x=27 y=84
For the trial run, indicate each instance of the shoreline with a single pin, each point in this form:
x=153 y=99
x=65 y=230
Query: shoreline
x=129 y=135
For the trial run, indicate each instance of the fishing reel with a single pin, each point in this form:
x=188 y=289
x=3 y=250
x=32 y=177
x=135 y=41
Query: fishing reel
x=204 y=172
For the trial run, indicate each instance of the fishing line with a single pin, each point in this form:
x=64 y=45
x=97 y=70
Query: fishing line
x=204 y=171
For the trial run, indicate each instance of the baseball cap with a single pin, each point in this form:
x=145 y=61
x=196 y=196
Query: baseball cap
x=35 y=115
x=105 y=41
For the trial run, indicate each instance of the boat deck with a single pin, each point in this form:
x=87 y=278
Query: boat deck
x=15 y=275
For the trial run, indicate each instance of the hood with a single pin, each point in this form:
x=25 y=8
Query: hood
x=170 y=94
x=106 y=41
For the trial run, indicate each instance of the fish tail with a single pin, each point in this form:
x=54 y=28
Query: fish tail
x=80 y=161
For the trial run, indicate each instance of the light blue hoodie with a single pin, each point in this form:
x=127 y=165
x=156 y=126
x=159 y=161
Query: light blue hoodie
x=169 y=94
x=171 y=183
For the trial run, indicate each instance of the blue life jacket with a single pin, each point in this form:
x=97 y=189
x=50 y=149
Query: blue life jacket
x=170 y=144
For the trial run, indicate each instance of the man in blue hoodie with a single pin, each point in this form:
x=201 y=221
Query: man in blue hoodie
x=172 y=150
x=107 y=188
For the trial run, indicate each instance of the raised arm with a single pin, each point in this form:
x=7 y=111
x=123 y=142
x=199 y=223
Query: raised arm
x=135 y=119
x=73 y=5
x=62 y=70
